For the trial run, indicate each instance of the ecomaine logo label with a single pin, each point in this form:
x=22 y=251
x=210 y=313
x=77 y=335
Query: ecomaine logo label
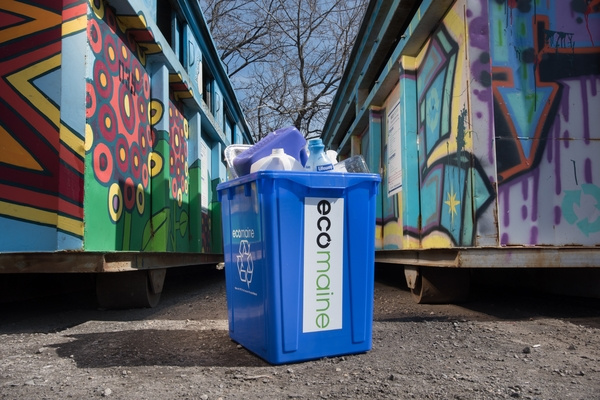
x=247 y=233
x=323 y=264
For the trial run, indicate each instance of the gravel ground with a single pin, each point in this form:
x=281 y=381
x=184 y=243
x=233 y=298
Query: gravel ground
x=502 y=344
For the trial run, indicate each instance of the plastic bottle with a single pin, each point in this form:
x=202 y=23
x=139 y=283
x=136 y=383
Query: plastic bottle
x=317 y=159
x=354 y=164
x=289 y=139
x=278 y=160
x=332 y=155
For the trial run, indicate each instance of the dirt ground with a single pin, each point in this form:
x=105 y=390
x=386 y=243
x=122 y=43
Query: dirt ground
x=502 y=344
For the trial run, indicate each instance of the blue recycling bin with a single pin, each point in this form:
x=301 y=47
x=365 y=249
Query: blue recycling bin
x=299 y=262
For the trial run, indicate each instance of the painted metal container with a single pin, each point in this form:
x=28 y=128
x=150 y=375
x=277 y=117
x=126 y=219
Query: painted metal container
x=113 y=120
x=481 y=116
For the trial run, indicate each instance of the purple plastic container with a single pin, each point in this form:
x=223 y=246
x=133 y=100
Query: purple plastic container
x=289 y=139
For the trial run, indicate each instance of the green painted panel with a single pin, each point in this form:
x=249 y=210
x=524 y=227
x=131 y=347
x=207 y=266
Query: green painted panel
x=169 y=226
x=118 y=139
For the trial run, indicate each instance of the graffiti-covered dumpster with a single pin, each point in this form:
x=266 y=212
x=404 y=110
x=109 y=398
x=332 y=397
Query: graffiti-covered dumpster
x=482 y=117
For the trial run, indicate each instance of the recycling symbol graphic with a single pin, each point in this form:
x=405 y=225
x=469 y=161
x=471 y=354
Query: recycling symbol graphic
x=587 y=219
x=245 y=265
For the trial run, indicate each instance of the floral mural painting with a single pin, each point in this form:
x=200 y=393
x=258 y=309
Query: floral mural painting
x=119 y=136
x=167 y=229
x=119 y=131
x=141 y=169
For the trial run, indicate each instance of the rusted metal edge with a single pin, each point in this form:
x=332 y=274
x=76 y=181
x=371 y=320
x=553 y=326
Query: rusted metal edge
x=81 y=262
x=496 y=257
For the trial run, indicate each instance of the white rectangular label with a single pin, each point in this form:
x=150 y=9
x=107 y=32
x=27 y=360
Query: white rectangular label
x=394 y=146
x=323 y=264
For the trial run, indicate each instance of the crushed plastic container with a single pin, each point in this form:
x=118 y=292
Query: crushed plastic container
x=230 y=153
x=299 y=262
x=355 y=164
x=289 y=139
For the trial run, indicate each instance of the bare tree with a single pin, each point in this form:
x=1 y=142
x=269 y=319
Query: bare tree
x=242 y=30
x=285 y=57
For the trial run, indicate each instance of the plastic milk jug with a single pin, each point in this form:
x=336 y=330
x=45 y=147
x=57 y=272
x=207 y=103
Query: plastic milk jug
x=278 y=160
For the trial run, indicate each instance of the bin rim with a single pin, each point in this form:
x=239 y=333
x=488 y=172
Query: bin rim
x=340 y=180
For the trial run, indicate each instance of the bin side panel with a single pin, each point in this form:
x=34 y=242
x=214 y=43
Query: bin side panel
x=228 y=254
x=246 y=267
x=290 y=236
x=359 y=260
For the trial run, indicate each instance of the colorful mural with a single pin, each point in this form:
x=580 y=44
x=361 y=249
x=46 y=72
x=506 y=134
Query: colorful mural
x=504 y=96
x=167 y=230
x=546 y=79
x=119 y=139
x=137 y=147
x=446 y=188
x=449 y=169
x=96 y=148
x=41 y=153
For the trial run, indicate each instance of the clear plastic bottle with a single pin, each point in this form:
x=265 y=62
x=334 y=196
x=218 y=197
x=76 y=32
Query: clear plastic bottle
x=356 y=164
x=317 y=159
x=277 y=161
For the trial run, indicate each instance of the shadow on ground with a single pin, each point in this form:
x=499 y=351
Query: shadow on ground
x=507 y=294
x=154 y=347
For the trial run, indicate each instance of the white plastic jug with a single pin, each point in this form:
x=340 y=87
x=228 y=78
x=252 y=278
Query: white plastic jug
x=277 y=161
